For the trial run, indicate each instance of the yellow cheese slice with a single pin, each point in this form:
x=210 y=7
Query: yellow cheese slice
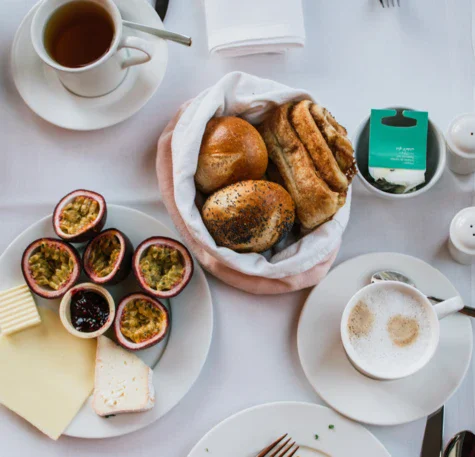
x=18 y=310
x=46 y=374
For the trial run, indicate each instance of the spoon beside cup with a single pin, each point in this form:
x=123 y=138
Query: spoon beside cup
x=390 y=275
x=166 y=35
x=461 y=445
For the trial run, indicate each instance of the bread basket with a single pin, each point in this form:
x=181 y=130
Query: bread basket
x=292 y=265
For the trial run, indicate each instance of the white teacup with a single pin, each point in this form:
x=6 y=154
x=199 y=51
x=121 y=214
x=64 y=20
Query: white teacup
x=390 y=330
x=103 y=75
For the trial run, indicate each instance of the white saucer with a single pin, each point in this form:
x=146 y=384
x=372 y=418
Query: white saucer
x=176 y=363
x=42 y=91
x=248 y=432
x=345 y=389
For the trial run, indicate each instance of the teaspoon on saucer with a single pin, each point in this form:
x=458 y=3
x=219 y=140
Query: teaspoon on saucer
x=389 y=275
x=171 y=36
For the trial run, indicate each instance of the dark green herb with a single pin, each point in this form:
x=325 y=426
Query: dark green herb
x=316 y=437
x=331 y=427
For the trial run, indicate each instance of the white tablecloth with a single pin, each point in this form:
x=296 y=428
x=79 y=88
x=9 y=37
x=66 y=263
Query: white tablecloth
x=358 y=56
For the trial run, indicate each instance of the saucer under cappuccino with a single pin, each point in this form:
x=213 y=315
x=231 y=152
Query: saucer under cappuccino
x=389 y=329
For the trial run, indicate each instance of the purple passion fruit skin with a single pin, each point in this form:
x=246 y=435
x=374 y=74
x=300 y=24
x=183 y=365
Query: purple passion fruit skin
x=107 y=258
x=141 y=322
x=80 y=216
x=50 y=267
x=163 y=266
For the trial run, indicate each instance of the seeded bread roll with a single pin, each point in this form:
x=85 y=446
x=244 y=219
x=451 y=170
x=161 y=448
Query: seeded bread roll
x=231 y=150
x=249 y=216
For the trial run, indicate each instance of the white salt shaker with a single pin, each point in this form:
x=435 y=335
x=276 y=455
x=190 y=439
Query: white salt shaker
x=462 y=236
x=461 y=144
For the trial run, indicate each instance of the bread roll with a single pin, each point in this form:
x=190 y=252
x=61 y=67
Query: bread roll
x=231 y=150
x=249 y=216
x=322 y=156
x=314 y=200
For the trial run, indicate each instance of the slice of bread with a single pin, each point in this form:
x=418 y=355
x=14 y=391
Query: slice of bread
x=123 y=383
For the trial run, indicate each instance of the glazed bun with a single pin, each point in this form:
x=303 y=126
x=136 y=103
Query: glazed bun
x=249 y=216
x=232 y=150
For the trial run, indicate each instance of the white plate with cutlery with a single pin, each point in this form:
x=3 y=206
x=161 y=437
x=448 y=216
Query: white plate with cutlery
x=318 y=431
x=348 y=391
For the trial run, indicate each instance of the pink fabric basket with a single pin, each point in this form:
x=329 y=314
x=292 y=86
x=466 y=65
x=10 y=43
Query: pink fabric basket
x=229 y=275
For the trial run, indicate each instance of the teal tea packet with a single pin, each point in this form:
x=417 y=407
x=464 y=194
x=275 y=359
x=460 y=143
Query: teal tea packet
x=398 y=149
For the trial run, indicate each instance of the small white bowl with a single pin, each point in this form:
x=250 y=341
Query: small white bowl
x=65 y=310
x=436 y=159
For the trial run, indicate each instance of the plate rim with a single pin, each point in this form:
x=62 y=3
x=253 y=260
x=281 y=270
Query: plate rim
x=324 y=397
x=207 y=291
x=271 y=404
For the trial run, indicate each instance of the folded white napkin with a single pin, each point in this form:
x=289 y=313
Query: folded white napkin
x=243 y=27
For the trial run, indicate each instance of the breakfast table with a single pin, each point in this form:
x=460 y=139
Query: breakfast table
x=357 y=56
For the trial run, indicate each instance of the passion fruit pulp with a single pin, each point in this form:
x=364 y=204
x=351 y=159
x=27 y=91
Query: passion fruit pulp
x=162 y=266
x=141 y=322
x=50 y=267
x=107 y=258
x=80 y=216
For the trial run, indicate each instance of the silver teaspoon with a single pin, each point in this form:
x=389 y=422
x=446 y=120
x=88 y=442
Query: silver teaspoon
x=389 y=275
x=171 y=36
x=461 y=445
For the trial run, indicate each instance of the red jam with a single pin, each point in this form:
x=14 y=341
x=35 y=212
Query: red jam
x=89 y=311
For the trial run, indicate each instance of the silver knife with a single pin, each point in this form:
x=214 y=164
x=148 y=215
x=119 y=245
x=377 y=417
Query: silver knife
x=433 y=436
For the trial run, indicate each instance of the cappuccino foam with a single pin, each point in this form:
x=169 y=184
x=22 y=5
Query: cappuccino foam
x=389 y=329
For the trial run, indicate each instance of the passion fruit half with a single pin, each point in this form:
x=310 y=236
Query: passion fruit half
x=107 y=258
x=141 y=321
x=80 y=216
x=50 y=267
x=162 y=266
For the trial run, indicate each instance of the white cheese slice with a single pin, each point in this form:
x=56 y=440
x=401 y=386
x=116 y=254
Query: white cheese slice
x=123 y=383
x=46 y=374
x=407 y=179
x=18 y=310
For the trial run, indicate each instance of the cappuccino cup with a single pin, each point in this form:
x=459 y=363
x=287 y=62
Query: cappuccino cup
x=62 y=30
x=390 y=330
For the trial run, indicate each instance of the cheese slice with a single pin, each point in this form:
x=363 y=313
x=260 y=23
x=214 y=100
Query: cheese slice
x=123 y=383
x=46 y=374
x=18 y=310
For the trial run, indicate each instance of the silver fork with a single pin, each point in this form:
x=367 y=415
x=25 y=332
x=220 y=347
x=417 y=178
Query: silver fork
x=389 y=3
x=280 y=448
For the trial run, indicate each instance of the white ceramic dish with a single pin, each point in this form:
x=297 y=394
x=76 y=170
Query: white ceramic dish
x=65 y=310
x=248 y=432
x=345 y=389
x=436 y=159
x=42 y=91
x=183 y=353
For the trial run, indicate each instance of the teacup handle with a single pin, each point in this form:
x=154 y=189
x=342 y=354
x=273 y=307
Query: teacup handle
x=140 y=45
x=450 y=306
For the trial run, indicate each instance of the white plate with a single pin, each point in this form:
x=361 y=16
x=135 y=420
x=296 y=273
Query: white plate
x=250 y=431
x=42 y=91
x=177 y=363
x=345 y=389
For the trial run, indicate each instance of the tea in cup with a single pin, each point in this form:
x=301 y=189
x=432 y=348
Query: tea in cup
x=84 y=41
